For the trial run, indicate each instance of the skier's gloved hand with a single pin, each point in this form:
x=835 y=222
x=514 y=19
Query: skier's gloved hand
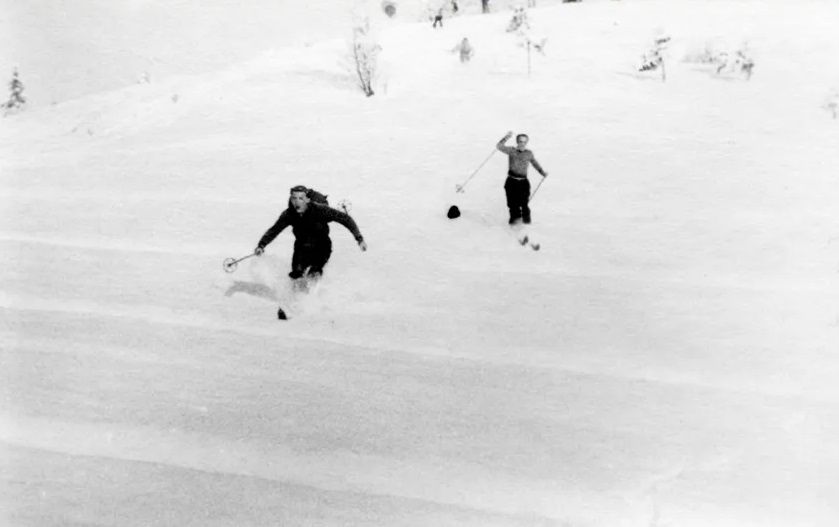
x=362 y=245
x=508 y=135
x=258 y=251
x=545 y=174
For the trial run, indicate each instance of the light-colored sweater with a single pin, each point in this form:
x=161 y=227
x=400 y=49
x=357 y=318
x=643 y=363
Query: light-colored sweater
x=519 y=160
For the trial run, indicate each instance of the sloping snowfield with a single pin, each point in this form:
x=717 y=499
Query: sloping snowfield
x=668 y=358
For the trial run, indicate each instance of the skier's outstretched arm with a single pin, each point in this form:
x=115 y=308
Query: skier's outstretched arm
x=346 y=220
x=281 y=223
x=538 y=167
x=502 y=147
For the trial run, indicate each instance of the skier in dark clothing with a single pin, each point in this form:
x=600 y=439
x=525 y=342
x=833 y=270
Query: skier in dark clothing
x=309 y=222
x=516 y=185
x=438 y=18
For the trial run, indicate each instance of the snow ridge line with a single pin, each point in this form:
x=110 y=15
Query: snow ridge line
x=55 y=194
x=212 y=252
x=173 y=318
x=441 y=481
x=112 y=245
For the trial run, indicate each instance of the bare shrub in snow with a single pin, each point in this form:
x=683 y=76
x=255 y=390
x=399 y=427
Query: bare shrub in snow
x=16 y=99
x=737 y=61
x=520 y=26
x=365 y=51
x=724 y=60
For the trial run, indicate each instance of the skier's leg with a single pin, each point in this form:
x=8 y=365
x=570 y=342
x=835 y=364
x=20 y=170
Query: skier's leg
x=319 y=259
x=305 y=256
x=512 y=202
x=298 y=262
x=525 y=198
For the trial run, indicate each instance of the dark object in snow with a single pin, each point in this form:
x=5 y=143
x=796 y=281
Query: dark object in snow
x=281 y=314
x=438 y=18
x=453 y=213
x=525 y=241
x=389 y=8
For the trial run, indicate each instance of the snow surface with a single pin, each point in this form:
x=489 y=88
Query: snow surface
x=669 y=358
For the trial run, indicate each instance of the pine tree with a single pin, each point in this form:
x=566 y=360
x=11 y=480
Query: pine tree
x=16 y=98
x=654 y=58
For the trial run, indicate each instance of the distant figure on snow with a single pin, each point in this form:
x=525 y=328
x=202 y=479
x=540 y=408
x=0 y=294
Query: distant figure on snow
x=455 y=7
x=438 y=18
x=517 y=186
x=485 y=6
x=309 y=222
x=465 y=49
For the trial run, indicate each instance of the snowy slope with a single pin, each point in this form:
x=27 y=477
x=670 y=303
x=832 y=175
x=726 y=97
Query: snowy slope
x=667 y=358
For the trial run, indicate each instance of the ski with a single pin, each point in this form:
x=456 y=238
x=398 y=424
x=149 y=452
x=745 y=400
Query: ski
x=525 y=241
x=300 y=289
x=523 y=237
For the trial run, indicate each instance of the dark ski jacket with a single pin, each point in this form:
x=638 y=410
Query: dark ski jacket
x=312 y=227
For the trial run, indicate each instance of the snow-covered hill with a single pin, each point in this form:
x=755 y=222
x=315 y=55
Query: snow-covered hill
x=667 y=358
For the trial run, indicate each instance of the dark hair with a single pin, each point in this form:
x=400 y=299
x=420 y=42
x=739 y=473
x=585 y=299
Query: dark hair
x=298 y=188
x=522 y=135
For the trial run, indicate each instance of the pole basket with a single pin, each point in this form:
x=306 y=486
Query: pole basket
x=346 y=205
x=230 y=265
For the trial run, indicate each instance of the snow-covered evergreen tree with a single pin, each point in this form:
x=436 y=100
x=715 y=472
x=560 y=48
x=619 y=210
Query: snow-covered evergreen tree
x=738 y=61
x=519 y=21
x=16 y=98
x=654 y=58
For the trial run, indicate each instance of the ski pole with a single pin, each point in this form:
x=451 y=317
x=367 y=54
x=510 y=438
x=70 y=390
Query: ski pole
x=536 y=189
x=461 y=186
x=231 y=263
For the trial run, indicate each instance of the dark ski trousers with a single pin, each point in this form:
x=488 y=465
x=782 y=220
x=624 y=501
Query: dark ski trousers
x=310 y=255
x=518 y=194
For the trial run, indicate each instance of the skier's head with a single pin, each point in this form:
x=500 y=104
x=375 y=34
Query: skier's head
x=521 y=141
x=299 y=199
